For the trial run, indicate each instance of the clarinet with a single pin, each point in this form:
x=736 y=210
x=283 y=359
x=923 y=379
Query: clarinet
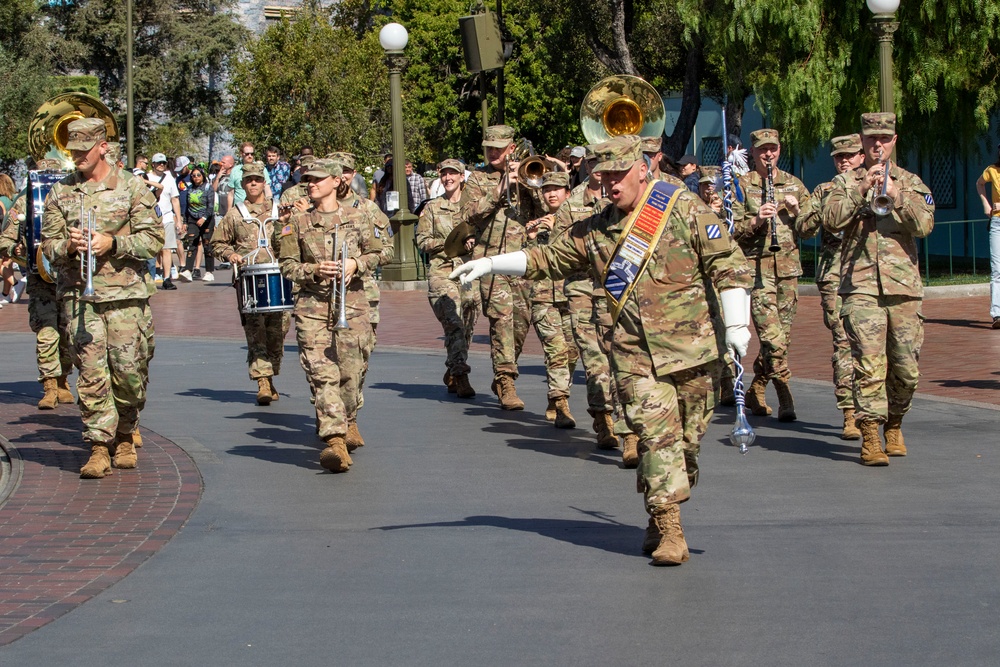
x=775 y=246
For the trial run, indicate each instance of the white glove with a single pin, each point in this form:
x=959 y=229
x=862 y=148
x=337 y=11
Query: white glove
x=736 y=315
x=508 y=264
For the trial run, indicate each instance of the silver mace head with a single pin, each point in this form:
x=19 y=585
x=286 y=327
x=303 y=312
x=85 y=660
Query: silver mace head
x=742 y=435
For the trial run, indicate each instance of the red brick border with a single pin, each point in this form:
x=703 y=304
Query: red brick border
x=66 y=539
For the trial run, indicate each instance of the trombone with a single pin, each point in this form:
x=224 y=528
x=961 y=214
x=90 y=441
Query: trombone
x=339 y=292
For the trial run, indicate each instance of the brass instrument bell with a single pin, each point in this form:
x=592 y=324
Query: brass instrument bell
x=48 y=132
x=622 y=105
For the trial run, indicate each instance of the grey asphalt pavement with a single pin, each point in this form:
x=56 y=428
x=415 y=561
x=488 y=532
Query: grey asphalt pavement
x=465 y=535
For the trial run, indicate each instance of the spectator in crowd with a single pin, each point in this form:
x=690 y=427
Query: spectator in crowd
x=296 y=175
x=277 y=170
x=416 y=188
x=200 y=221
x=141 y=166
x=12 y=288
x=170 y=209
x=247 y=153
x=688 y=166
x=577 y=167
x=377 y=191
x=992 y=210
x=182 y=176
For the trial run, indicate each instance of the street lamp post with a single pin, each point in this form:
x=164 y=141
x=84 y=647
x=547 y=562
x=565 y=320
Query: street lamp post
x=393 y=38
x=884 y=26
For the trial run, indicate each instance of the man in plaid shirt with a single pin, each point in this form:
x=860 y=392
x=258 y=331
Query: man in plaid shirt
x=417 y=187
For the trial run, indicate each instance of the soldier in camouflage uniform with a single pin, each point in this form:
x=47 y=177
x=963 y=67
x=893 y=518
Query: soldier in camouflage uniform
x=454 y=306
x=664 y=353
x=550 y=308
x=51 y=342
x=501 y=228
x=880 y=285
x=108 y=337
x=847 y=156
x=775 y=293
x=354 y=204
x=237 y=240
x=333 y=359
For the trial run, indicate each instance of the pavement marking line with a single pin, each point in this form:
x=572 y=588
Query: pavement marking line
x=197 y=451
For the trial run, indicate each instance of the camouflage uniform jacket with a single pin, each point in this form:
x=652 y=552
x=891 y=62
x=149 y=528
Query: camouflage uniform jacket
x=810 y=221
x=293 y=194
x=581 y=205
x=437 y=219
x=666 y=325
x=125 y=209
x=11 y=234
x=879 y=253
x=368 y=210
x=499 y=229
x=307 y=239
x=239 y=235
x=755 y=244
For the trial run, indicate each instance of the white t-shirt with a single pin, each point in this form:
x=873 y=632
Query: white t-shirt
x=167 y=194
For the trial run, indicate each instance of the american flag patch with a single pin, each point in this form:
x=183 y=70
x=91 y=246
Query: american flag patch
x=929 y=199
x=713 y=232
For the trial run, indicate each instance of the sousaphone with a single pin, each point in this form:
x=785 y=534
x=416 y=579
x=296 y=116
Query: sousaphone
x=622 y=105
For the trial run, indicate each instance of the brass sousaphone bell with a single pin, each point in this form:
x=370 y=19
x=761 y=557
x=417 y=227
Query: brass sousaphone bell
x=622 y=105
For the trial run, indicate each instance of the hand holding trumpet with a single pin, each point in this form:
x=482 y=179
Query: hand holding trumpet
x=330 y=270
x=101 y=243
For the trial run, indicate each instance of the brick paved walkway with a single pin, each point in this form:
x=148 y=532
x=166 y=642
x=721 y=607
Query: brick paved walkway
x=66 y=539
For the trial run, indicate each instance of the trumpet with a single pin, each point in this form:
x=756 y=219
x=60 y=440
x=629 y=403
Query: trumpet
x=775 y=246
x=87 y=261
x=342 y=287
x=882 y=203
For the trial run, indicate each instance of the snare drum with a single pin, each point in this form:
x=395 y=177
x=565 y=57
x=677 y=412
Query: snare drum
x=260 y=288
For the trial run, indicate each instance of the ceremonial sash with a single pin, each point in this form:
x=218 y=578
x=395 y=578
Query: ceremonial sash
x=637 y=242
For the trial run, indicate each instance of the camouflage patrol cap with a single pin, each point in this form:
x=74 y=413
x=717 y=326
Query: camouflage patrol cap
x=878 y=123
x=764 y=136
x=849 y=143
x=707 y=174
x=454 y=165
x=85 y=133
x=589 y=153
x=324 y=168
x=49 y=164
x=498 y=136
x=558 y=178
x=306 y=161
x=347 y=160
x=652 y=144
x=253 y=169
x=618 y=154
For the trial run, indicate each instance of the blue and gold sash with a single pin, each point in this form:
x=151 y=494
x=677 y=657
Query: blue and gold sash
x=637 y=242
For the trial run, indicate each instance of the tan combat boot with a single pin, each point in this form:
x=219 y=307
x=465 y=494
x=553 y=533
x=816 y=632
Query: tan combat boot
x=894 y=445
x=335 y=457
x=503 y=387
x=125 y=454
x=274 y=392
x=786 y=406
x=449 y=382
x=263 y=391
x=137 y=438
x=756 y=397
x=353 y=439
x=51 y=398
x=462 y=387
x=630 y=451
x=673 y=549
x=651 y=539
x=563 y=417
x=850 y=431
x=62 y=388
x=550 y=410
x=871 y=445
x=604 y=428
x=98 y=465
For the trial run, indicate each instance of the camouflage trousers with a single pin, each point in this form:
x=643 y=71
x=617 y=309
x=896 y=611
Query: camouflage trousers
x=548 y=320
x=773 y=301
x=670 y=415
x=111 y=349
x=373 y=317
x=605 y=334
x=52 y=352
x=886 y=333
x=843 y=369
x=334 y=362
x=507 y=304
x=265 y=334
x=457 y=309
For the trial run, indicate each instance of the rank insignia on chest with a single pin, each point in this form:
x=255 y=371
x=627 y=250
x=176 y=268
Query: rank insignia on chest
x=286 y=230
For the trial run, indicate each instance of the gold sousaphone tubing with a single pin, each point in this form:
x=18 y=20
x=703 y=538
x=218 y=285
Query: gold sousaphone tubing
x=622 y=105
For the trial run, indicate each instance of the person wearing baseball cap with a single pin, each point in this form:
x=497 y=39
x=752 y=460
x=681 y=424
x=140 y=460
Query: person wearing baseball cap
x=499 y=208
x=775 y=295
x=847 y=155
x=333 y=358
x=880 y=283
x=665 y=353
x=127 y=231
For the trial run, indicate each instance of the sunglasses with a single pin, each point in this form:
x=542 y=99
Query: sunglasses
x=250 y=153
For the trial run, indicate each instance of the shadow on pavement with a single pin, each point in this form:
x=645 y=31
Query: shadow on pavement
x=428 y=392
x=966 y=324
x=222 y=395
x=608 y=535
x=807 y=447
x=21 y=392
x=971 y=384
x=290 y=454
